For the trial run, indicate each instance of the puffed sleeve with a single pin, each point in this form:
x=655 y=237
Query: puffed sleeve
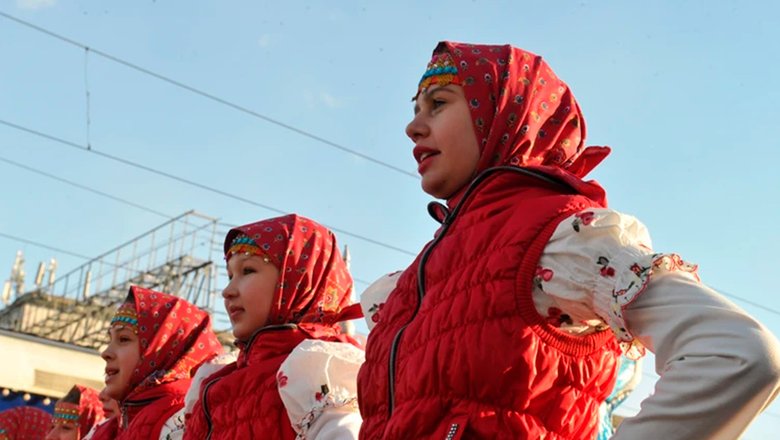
x=596 y=263
x=718 y=366
x=318 y=385
x=203 y=372
x=373 y=298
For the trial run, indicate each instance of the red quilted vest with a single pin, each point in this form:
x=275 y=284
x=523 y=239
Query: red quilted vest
x=242 y=399
x=146 y=414
x=472 y=358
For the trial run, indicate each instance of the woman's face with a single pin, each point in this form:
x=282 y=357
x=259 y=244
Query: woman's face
x=249 y=294
x=63 y=432
x=110 y=406
x=121 y=356
x=446 y=148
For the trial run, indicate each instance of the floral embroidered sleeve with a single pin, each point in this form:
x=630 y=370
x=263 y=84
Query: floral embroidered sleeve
x=318 y=385
x=373 y=298
x=596 y=263
x=173 y=429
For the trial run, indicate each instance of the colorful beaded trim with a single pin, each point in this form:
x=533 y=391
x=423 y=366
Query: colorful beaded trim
x=245 y=245
x=441 y=70
x=66 y=414
x=126 y=315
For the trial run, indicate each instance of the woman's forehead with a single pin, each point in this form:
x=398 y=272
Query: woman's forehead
x=117 y=328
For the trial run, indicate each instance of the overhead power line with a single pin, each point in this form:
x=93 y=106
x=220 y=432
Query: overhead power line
x=85 y=188
x=747 y=301
x=209 y=96
x=190 y=182
x=44 y=246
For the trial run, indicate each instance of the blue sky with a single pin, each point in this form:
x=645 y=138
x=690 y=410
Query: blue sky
x=684 y=92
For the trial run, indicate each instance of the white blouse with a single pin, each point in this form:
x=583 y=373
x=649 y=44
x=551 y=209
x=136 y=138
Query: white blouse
x=318 y=386
x=599 y=272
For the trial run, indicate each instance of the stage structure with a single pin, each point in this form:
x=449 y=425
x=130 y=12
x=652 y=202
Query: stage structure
x=177 y=257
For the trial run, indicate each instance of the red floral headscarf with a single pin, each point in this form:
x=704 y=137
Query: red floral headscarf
x=84 y=415
x=175 y=338
x=522 y=113
x=24 y=423
x=314 y=283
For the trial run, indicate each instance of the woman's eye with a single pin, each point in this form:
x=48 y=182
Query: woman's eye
x=436 y=103
x=124 y=339
x=248 y=270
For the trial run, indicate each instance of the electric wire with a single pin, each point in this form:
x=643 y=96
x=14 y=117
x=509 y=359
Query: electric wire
x=210 y=96
x=85 y=188
x=192 y=183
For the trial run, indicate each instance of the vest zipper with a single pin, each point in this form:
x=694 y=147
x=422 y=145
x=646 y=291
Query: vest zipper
x=206 y=412
x=448 y=220
x=453 y=431
x=123 y=408
x=246 y=348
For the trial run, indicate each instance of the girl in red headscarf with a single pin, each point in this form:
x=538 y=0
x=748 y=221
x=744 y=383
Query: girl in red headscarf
x=157 y=341
x=510 y=322
x=110 y=410
x=295 y=374
x=24 y=423
x=76 y=414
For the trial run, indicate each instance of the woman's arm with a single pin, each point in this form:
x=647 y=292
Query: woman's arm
x=719 y=367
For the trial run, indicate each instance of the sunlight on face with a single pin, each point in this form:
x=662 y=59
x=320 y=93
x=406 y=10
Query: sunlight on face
x=250 y=293
x=63 y=432
x=121 y=356
x=446 y=147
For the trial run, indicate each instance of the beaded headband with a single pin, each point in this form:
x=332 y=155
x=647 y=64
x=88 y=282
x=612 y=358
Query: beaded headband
x=245 y=245
x=126 y=315
x=66 y=414
x=441 y=70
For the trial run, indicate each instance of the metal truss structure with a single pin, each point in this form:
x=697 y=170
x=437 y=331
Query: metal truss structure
x=175 y=257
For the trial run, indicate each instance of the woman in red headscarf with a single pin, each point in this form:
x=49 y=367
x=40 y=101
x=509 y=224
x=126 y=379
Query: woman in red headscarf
x=76 y=414
x=157 y=341
x=24 y=423
x=510 y=322
x=295 y=374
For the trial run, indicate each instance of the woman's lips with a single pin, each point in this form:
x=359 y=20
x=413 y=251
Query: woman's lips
x=110 y=373
x=423 y=155
x=234 y=312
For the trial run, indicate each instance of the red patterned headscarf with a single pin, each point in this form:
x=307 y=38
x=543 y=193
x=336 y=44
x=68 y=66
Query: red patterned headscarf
x=314 y=283
x=523 y=115
x=175 y=338
x=82 y=415
x=24 y=423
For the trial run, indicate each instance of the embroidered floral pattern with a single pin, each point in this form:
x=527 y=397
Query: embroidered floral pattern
x=606 y=270
x=582 y=218
x=319 y=395
x=631 y=284
x=326 y=400
x=281 y=379
x=374 y=311
x=556 y=317
x=542 y=275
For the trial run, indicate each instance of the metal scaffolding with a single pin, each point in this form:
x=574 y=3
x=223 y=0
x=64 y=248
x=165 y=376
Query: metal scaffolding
x=175 y=257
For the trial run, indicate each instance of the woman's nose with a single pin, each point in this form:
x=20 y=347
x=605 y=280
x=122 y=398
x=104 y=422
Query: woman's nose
x=417 y=128
x=106 y=354
x=229 y=290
